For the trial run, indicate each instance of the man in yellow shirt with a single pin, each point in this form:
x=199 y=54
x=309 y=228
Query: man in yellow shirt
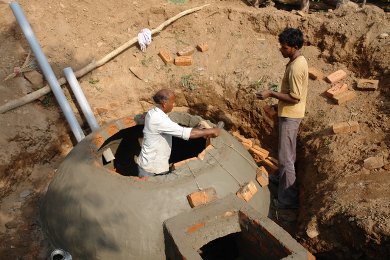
x=291 y=110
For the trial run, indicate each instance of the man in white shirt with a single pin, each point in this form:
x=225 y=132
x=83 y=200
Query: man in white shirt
x=158 y=132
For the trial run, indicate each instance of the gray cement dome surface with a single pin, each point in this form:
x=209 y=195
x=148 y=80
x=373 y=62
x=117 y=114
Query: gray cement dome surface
x=95 y=213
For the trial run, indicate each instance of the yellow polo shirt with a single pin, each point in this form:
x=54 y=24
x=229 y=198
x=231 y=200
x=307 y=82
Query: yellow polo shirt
x=295 y=82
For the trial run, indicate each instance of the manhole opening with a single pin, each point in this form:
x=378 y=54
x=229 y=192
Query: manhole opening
x=242 y=246
x=222 y=248
x=126 y=146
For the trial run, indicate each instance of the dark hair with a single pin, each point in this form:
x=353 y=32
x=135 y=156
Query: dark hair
x=162 y=96
x=292 y=37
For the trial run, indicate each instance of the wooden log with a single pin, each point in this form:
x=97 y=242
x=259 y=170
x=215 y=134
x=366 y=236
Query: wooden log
x=91 y=66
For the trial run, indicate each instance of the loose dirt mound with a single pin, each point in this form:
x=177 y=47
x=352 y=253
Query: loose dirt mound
x=343 y=201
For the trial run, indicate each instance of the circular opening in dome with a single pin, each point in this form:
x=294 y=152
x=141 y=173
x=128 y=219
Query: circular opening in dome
x=126 y=146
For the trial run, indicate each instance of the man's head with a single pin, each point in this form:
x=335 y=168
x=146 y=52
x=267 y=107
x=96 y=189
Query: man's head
x=291 y=40
x=165 y=99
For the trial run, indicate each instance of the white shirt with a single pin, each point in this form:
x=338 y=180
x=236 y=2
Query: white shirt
x=157 y=143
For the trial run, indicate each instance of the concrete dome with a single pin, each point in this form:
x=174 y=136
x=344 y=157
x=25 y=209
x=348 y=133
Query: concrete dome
x=94 y=212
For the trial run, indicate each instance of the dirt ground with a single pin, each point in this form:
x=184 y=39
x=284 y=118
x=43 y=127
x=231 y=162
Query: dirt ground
x=345 y=209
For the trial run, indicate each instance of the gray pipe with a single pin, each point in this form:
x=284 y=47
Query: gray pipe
x=47 y=71
x=80 y=97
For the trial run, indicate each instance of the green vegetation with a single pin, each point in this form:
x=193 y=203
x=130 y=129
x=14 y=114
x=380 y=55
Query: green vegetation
x=187 y=81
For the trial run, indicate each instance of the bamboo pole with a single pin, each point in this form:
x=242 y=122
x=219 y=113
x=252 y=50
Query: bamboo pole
x=91 y=66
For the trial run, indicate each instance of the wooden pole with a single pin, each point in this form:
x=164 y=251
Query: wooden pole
x=91 y=66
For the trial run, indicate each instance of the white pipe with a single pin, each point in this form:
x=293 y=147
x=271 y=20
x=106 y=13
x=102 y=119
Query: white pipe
x=80 y=97
x=47 y=71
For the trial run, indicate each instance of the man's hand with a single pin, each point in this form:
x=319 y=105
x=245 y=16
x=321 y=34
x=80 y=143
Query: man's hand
x=264 y=94
x=206 y=133
x=203 y=125
x=215 y=132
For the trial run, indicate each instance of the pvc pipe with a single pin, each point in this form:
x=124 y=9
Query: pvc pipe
x=47 y=71
x=80 y=97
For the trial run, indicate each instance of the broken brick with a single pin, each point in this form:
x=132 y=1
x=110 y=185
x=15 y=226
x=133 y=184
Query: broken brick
x=202 y=47
x=183 y=61
x=336 y=76
x=262 y=176
x=344 y=97
x=247 y=191
x=336 y=90
x=165 y=56
x=367 y=84
x=187 y=51
x=345 y=127
x=202 y=197
x=315 y=74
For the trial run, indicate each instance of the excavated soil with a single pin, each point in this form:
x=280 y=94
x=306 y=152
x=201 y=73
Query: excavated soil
x=344 y=204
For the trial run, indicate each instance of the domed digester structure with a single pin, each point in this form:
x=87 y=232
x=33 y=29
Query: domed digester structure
x=101 y=210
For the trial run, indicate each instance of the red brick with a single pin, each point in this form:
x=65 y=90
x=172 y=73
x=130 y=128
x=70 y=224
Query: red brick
x=336 y=76
x=183 y=61
x=202 y=197
x=98 y=141
x=262 y=176
x=272 y=159
x=238 y=136
x=112 y=129
x=345 y=127
x=187 y=51
x=315 y=74
x=345 y=97
x=341 y=128
x=336 y=89
x=246 y=145
x=165 y=55
x=367 y=84
x=257 y=150
x=270 y=164
x=247 y=191
x=203 y=153
x=202 y=47
x=310 y=256
x=128 y=122
x=184 y=162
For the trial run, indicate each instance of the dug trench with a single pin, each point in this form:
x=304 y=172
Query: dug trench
x=344 y=209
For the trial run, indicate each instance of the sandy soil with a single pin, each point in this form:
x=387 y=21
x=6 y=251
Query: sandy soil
x=344 y=205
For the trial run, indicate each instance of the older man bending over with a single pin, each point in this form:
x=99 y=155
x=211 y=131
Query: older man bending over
x=158 y=131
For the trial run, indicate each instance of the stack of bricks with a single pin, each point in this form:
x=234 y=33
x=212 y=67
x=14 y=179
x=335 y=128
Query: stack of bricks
x=339 y=92
x=184 y=56
x=259 y=154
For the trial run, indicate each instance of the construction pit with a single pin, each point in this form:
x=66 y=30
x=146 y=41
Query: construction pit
x=343 y=176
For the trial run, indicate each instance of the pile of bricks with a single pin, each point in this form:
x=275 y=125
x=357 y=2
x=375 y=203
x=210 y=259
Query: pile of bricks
x=184 y=56
x=339 y=92
x=259 y=154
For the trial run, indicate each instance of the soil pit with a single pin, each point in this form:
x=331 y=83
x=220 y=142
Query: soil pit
x=342 y=201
